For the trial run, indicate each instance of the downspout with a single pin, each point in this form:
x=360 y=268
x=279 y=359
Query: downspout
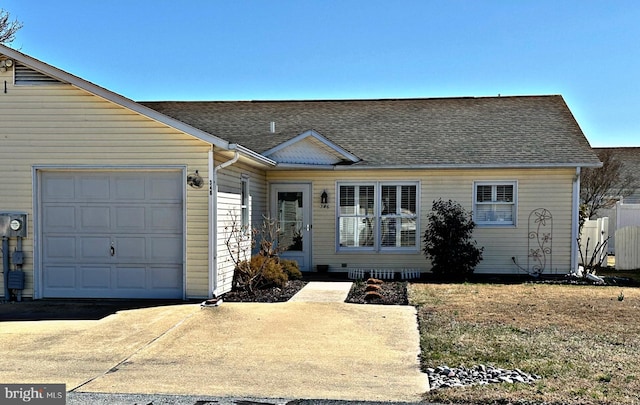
x=213 y=219
x=5 y=267
x=575 y=221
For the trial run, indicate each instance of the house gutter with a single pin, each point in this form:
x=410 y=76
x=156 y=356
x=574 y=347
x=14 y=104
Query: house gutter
x=575 y=220
x=213 y=218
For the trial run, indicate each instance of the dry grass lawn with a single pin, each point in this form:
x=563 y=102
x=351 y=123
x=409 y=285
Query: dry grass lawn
x=583 y=340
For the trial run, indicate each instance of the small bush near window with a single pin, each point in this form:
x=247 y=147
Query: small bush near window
x=447 y=241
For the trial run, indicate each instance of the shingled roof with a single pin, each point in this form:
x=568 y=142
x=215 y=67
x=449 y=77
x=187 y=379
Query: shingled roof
x=521 y=131
x=630 y=159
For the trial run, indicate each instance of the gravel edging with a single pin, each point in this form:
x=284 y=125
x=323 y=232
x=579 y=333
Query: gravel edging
x=445 y=377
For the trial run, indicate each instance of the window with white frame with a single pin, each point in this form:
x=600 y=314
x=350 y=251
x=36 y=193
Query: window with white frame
x=244 y=202
x=378 y=216
x=495 y=203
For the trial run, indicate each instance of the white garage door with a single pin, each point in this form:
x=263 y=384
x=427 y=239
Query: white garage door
x=112 y=234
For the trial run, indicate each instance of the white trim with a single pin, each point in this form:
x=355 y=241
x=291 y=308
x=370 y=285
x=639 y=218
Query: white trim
x=575 y=220
x=213 y=225
x=466 y=166
x=245 y=201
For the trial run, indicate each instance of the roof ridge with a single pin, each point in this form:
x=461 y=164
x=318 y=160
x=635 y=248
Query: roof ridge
x=336 y=100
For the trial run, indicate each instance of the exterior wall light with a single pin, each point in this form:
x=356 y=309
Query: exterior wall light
x=324 y=199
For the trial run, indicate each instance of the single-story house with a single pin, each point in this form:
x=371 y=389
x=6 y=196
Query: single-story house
x=133 y=199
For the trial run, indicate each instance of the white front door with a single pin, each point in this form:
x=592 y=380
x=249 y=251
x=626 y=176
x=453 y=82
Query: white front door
x=291 y=208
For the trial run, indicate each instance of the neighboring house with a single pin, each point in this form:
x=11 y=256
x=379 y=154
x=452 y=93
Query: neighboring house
x=626 y=212
x=113 y=211
x=629 y=157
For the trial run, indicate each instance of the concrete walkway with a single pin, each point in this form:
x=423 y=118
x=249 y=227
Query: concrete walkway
x=323 y=291
x=298 y=349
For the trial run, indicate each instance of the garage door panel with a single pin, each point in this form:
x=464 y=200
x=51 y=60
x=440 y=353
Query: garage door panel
x=131 y=277
x=95 y=277
x=165 y=249
x=140 y=214
x=59 y=187
x=130 y=218
x=131 y=249
x=60 y=247
x=129 y=188
x=95 y=218
x=165 y=189
x=59 y=218
x=93 y=187
x=94 y=248
x=163 y=277
x=60 y=277
x=163 y=219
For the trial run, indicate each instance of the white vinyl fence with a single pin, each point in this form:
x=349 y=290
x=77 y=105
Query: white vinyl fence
x=628 y=248
x=620 y=216
x=594 y=233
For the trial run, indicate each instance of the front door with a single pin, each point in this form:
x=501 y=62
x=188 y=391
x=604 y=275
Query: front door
x=291 y=208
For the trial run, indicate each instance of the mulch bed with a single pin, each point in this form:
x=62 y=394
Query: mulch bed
x=392 y=293
x=273 y=294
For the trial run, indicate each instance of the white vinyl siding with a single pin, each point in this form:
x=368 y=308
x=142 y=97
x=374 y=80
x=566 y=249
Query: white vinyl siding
x=495 y=203
x=227 y=243
x=377 y=216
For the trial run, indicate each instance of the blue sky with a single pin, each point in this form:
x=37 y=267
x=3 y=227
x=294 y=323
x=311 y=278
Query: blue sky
x=586 y=50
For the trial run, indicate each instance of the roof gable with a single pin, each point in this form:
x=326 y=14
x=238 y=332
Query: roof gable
x=310 y=148
x=37 y=70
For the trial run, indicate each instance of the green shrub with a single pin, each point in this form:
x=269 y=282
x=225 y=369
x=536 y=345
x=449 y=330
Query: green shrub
x=447 y=241
x=273 y=274
x=259 y=272
x=291 y=269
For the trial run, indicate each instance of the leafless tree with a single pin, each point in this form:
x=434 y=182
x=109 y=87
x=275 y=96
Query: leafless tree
x=8 y=28
x=602 y=187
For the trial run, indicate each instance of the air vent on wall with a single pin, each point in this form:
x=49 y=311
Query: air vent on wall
x=25 y=76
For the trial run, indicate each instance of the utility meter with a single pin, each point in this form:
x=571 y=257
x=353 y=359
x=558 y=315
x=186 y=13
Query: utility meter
x=13 y=224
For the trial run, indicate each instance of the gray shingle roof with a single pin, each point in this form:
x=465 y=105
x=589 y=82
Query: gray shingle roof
x=472 y=132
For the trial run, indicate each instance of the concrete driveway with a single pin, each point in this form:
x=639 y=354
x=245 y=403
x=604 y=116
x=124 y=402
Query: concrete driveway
x=298 y=349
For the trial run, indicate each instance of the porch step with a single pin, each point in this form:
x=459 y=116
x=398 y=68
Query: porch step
x=323 y=291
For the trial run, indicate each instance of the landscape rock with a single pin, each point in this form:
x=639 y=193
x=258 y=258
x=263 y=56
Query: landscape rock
x=372 y=295
x=447 y=377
